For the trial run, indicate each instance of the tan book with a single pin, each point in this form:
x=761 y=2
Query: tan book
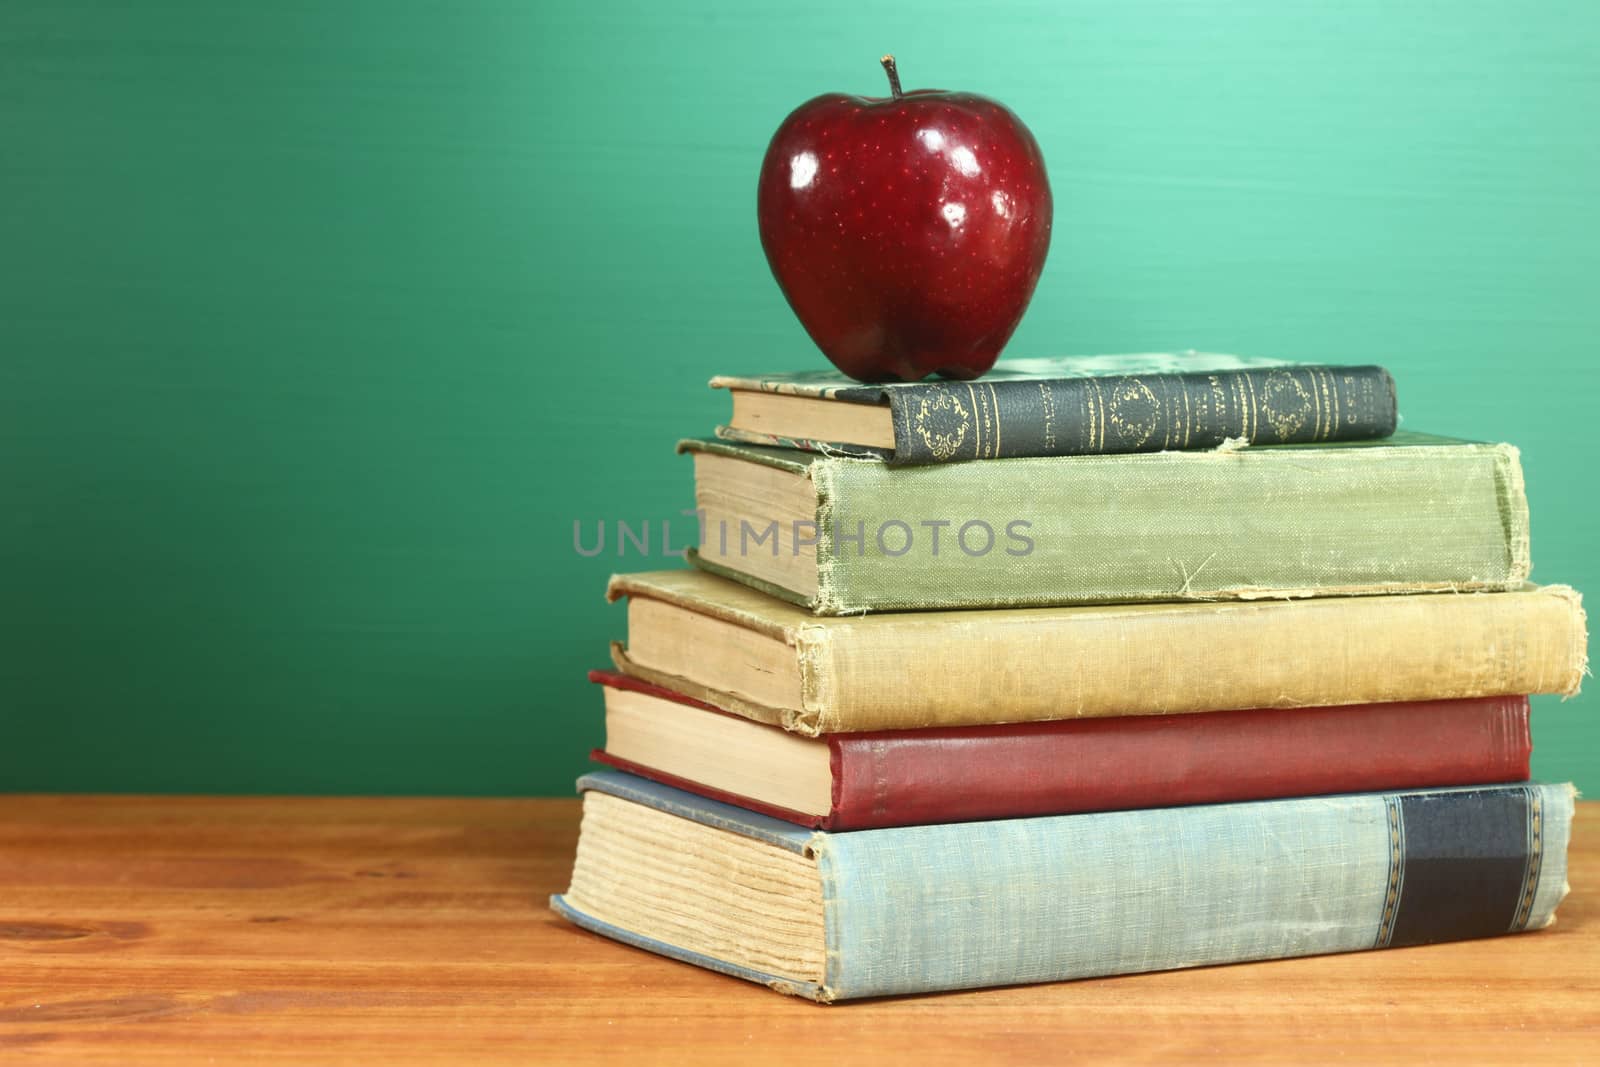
x=742 y=651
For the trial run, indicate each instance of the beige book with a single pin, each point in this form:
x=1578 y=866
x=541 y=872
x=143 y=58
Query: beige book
x=735 y=648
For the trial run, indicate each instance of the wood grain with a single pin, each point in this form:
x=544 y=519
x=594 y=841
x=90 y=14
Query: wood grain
x=244 y=930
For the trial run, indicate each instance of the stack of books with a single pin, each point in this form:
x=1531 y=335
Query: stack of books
x=1088 y=667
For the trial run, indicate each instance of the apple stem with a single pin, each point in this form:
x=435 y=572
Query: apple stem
x=894 y=75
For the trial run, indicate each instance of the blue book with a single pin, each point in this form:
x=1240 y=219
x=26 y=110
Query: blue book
x=831 y=916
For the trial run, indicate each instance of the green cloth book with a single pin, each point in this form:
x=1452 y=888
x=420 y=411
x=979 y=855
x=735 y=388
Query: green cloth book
x=841 y=535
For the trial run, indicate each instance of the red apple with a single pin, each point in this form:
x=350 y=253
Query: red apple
x=906 y=231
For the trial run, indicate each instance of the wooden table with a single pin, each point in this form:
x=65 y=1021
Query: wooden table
x=240 y=930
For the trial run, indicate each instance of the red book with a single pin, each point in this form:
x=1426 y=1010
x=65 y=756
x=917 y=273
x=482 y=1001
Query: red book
x=908 y=777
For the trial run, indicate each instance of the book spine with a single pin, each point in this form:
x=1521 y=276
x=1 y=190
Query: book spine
x=926 y=908
x=942 y=422
x=996 y=772
x=1021 y=666
x=1240 y=524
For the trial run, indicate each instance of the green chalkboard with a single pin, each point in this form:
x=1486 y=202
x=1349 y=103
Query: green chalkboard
x=322 y=323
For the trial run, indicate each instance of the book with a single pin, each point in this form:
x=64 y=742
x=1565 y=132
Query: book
x=834 y=916
x=908 y=777
x=730 y=646
x=845 y=536
x=1067 y=406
